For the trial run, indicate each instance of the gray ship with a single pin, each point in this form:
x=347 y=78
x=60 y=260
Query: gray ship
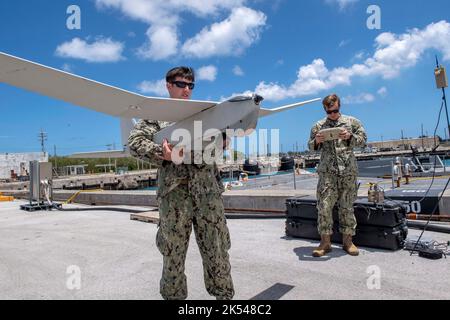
x=421 y=166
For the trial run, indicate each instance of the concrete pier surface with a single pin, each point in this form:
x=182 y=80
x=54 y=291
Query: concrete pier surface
x=43 y=253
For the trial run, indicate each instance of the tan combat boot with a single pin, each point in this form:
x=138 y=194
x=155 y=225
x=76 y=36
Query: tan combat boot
x=324 y=247
x=348 y=245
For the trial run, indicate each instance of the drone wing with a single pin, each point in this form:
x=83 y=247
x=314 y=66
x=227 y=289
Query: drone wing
x=94 y=95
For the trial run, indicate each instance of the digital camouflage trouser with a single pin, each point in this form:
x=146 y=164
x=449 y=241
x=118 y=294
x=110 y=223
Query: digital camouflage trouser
x=178 y=213
x=333 y=189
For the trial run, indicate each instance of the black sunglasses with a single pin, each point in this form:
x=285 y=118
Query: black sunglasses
x=182 y=84
x=333 y=111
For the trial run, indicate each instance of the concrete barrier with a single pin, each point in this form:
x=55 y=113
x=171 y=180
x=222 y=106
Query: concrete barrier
x=260 y=199
x=248 y=199
x=245 y=199
x=130 y=198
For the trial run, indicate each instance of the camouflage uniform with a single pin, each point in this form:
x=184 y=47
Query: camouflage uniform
x=338 y=174
x=188 y=195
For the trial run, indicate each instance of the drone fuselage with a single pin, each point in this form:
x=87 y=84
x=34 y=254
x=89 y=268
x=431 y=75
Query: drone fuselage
x=236 y=117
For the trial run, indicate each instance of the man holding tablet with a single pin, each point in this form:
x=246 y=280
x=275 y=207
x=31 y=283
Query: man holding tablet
x=336 y=136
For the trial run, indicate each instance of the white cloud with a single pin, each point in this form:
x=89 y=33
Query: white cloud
x=342 y=3
x=164 y=20
x=167 y=11
x=154 y=87
x=343 y=43
x=205 y=7
x=382 y=92
x=208 y=73
x=102 y=50
x=229 y=37
x=148 y=11
x=162 y=43
x=358 y=99
x=237 y=71
x=359 y=55
x=393 y=54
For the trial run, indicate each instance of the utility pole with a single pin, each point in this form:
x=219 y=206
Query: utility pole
x=42 y=136
x=423 y=145
x=54 y=155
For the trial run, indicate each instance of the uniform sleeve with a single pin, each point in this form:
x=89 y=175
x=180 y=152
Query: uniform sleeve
x=359 y=136
x=312 y=139
x=141 y=142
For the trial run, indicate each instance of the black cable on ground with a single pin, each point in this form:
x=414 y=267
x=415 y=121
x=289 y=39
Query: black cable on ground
x=443 y=191
x=413 y=224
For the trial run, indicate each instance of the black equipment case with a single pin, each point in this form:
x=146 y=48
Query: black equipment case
x=366 y=236
x=379 y=225
x=387 y=214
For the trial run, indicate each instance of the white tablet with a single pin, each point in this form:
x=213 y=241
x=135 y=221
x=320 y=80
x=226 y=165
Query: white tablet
x=331 y=133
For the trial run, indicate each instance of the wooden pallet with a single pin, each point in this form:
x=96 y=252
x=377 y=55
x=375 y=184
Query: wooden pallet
x=148 y=217
x=39 y=207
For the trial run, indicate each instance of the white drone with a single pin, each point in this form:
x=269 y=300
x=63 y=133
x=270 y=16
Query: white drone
x=237 y=113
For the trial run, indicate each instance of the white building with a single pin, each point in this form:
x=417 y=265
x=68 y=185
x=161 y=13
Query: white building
x=75 y=170
x=18 y=163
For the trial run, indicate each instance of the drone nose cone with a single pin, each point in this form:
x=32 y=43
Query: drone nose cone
x=257 y=98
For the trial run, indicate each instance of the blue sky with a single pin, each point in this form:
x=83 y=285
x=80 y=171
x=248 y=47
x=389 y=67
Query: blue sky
x=287 y=51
